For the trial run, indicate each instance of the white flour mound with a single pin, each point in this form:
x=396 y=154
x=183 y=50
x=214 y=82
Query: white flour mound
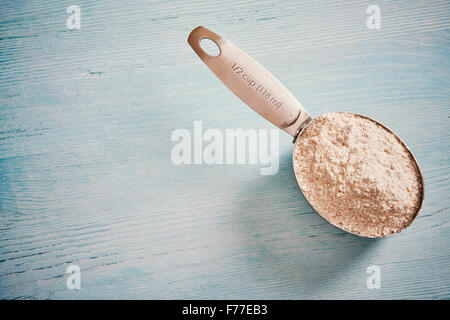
x=357 y=175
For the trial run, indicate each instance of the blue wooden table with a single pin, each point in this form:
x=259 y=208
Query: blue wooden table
x=87 y=177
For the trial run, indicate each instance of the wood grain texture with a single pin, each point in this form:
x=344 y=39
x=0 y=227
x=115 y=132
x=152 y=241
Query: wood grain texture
x=86 y=176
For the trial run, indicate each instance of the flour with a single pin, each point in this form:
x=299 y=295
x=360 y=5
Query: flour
x=357 y=174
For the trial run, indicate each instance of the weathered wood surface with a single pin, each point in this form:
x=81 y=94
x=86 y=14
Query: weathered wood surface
x=86 y=176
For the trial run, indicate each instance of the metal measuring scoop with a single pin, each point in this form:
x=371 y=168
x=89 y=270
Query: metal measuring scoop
x=260 y=90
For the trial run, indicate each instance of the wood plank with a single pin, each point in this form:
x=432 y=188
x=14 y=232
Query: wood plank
x=86 y=175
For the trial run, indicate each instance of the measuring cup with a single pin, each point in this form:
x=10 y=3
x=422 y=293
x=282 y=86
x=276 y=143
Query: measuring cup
x=260 y=90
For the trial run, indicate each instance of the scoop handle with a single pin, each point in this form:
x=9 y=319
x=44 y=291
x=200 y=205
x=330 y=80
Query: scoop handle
x=253 y=84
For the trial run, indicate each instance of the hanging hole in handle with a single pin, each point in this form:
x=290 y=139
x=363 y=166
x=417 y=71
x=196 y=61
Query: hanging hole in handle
x=210 y=47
